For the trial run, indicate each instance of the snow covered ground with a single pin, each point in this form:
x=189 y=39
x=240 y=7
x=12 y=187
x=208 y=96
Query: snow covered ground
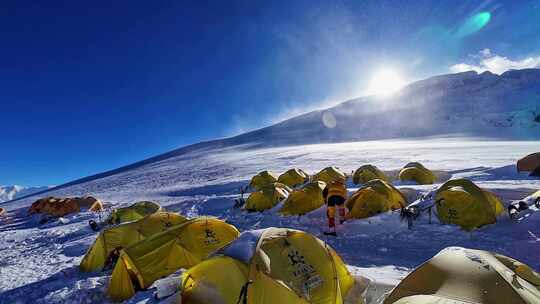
x=38 y=264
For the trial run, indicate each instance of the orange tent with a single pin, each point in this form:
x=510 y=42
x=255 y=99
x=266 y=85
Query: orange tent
x=529 y=162
x=62 y=206
x=89 y=202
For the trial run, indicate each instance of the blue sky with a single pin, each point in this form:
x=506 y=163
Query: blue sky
x=90 y=86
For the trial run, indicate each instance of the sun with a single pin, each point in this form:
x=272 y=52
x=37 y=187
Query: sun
x=386 y=82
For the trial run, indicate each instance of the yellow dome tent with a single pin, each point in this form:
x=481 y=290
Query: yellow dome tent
x=368 y=173
x=374 y=197
x=304 y=200
x=329 y=175
x=267 y=198
x=294 y=177
x=281 y=266
x=463 y=203
x=416 y=172
x=262 y=179
x=182 y=246
x=125 y=235
x=134 y=212
x=466 y=276
x=529 y=163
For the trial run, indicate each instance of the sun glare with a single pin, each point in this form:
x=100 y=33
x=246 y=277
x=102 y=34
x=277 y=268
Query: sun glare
x=385 y=82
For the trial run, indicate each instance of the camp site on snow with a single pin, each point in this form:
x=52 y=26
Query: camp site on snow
x=270 y=152
x=143 y=246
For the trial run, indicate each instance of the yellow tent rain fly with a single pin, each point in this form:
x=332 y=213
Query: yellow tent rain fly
x=329 y=175
x=294 y=177
x=466 y=276
x=267 y=197
x=262 y=179
x=304 y=200
x=463 y=203
x=374 y=197
x=416 y=172
x=281 y=266
x=368 y=173
x=125 y=235
x=134 y=212
x=164 y=253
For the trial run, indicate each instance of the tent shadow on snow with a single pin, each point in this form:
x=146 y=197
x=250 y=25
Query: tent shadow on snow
x=80 y=287
x=19 y=219
x=508 y=172
x=17 y=223
x=511 y=194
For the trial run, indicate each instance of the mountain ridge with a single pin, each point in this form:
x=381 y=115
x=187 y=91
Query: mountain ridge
x=503 y=106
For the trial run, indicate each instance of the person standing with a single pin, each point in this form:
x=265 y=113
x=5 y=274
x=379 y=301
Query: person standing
x=335 y=195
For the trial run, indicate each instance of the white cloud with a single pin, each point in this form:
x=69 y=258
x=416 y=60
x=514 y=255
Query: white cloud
x=487 y=61
x=485 y=52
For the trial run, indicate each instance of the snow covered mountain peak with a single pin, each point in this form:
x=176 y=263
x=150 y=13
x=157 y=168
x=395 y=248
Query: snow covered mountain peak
x=468 y=103
x=8 y=193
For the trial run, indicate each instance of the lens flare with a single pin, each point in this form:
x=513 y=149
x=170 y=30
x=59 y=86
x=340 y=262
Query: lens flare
x=473 y=24
x=329 y=120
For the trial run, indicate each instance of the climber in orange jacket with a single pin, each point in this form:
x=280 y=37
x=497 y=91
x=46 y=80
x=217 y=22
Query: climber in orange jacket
x=335 y=195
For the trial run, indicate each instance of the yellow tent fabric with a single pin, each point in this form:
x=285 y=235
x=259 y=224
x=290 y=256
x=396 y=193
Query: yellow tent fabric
x=125 y=235
x=418 y=173
x=294 y=177
x=460 y=275
x=285 y=266
x=304 y=200
x=529 y=162
x=374 y=197
x=157 y=256
x=463 y=203
x=262 y=179
x=202 y=284
x=368 y=173
x=134 y=212
x=536 y=194
x=329 y=175
x=267 y=198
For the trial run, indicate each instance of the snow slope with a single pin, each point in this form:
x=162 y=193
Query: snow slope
x=40 y=263
x=466 y=104
x=8 y=193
